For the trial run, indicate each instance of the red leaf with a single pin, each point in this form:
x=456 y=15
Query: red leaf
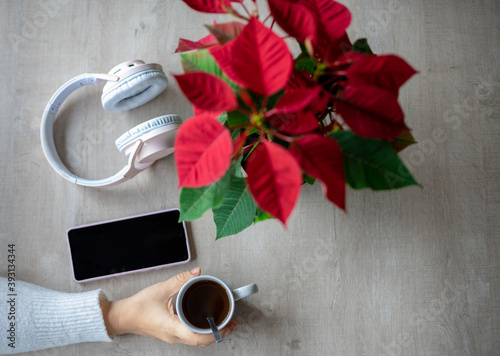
x=246 y=98
x=223 y=57
x=261 y=59
x=320 y=104
x=203 y=150
x=388 y=72
x=332 y=20
x=208 y=40
x=297 y=123
x=207 y=92
x=225 y=32
x=296 y=19
x=346 y=59
x=239 y=142
x=332 y=17
x=371 y=112
x=274 y=179
x=187 y=45
x=210 y=6
x=330 y=51
x=297 y=99
x=198 y=112
x=321 y=157
x=300 y=80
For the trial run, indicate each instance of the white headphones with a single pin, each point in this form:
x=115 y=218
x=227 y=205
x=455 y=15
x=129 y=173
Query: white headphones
x=129 y=85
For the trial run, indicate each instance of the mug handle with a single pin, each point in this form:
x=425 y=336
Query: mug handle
x=244 y=291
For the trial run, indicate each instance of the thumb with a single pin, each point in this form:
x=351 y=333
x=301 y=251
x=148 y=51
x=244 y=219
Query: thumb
x=175 y=283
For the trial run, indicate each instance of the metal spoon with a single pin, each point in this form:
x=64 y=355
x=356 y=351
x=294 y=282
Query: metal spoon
x=215 y=331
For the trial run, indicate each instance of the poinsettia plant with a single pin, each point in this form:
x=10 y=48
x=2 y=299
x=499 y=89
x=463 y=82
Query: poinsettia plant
x=266 y=123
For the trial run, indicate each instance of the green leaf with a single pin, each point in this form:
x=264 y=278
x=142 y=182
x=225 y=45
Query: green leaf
x=235 y=118
x=238 y=170
x=371 y=163
x=194 y=202
x=222 y=118
x=361 y=46
x=402 y=141
x=200 y=60
x=271 y=102
x=258 y=100
x=261 y=215
x=305 y=63
x=309 y=179
x=237 y=210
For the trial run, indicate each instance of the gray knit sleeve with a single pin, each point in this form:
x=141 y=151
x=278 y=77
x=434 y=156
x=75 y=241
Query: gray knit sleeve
x=35 y=318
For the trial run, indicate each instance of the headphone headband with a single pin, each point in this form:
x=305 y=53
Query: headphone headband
x=49 y=116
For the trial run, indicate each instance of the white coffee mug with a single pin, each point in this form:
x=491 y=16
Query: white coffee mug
x=233 y=295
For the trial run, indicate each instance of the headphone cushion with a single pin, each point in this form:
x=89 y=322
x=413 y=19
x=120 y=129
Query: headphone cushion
x=134 y=90
x=146 y=128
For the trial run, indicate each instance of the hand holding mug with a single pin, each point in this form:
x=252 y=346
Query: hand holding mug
x=203 y=297
x=150 y=313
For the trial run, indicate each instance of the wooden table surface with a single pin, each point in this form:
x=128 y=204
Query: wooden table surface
x=408 y=272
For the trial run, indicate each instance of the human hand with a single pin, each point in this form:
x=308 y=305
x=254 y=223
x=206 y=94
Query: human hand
x=150 y=313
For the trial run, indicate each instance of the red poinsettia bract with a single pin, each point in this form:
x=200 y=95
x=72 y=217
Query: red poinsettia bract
x=274 y=179
x=203 y=151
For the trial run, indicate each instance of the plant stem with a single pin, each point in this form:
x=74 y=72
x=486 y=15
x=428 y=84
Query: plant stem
x=245 y=112
x=320 y=67
x=256 y=11
x=237 y=14
x=246 y=10
x=247 y=100
x=253 y=148
x=263 y=107
x=245 y=134
x=281 y=136
x=240 y=126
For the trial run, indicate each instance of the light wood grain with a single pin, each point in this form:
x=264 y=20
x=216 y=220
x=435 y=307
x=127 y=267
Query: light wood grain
x=409 y=272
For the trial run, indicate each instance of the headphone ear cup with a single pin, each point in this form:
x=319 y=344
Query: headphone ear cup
x=140 y=84
x=158 y=135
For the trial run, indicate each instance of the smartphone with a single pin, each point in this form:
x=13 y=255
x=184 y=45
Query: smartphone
x=128 y=245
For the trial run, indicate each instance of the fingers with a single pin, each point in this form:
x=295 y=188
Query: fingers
x=230 y=327
x=190 y=338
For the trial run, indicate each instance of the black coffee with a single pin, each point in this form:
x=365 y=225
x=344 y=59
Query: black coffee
x=204 y=299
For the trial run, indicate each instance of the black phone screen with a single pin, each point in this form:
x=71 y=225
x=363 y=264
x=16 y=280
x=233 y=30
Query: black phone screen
x=128 y=244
